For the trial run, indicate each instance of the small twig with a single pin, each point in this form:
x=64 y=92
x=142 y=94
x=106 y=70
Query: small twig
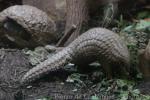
x=8 y=50
x=66 y=36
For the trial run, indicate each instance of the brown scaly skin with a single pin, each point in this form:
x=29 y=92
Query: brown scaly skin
x=95 y=44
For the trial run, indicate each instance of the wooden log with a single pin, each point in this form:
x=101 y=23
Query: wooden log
x=144 y=62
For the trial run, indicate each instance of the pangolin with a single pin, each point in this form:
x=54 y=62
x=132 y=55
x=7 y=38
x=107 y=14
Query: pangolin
x=97 y=44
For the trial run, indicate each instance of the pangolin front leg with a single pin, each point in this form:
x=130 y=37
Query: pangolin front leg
x=97 y=44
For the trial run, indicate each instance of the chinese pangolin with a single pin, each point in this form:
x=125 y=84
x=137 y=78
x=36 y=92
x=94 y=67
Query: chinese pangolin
x=97 y=44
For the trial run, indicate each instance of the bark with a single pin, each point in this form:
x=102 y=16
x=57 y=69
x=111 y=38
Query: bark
x=144 y=62
x=77 y=14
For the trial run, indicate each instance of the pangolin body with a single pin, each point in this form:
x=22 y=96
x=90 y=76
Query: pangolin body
x=97 y=44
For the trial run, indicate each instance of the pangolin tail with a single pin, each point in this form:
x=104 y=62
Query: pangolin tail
x=56 y=62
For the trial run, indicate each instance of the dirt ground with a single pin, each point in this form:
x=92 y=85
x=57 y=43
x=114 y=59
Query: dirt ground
x=14 y=64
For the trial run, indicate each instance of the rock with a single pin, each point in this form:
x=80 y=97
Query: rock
x=56 y=9
x=22 y=20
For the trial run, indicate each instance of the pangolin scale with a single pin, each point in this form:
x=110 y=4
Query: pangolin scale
x=97 y=44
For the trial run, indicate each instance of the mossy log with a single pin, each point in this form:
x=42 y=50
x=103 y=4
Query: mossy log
x=144 y=62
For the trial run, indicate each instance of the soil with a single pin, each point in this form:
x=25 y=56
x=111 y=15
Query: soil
x=144 y=87
x=14 y=64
